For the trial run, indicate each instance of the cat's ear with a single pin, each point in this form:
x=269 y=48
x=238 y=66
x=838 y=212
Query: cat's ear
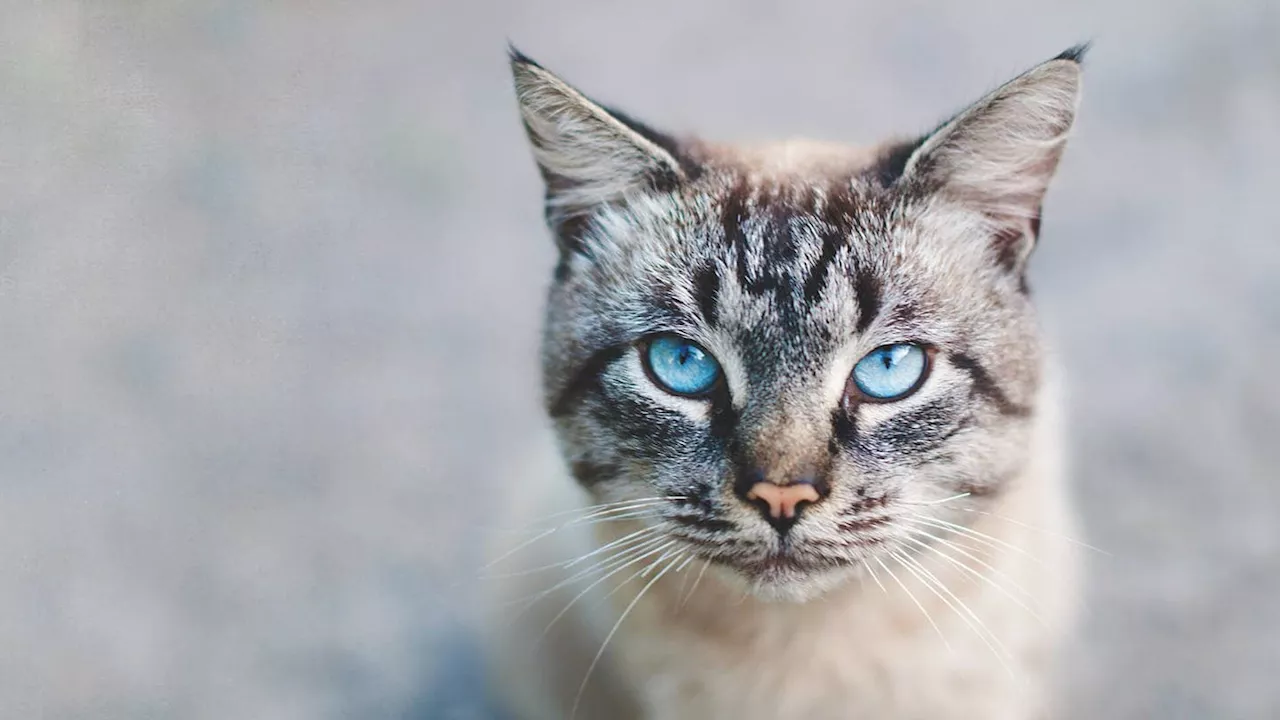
x=999 y=154
x=588 y=154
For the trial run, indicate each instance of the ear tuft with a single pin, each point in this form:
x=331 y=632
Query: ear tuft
x=589 y=156
x=514 y=54
x=1075 y=53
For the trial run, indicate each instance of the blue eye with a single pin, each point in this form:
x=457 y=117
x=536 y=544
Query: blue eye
x=891 y=372
x=681 y=366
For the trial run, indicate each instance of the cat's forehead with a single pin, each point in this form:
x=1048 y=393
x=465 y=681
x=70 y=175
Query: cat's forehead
x=798 y=181
x=767 y=254
x=789 y=249
x=808 y=218
x=794 y=161
x=792 y=255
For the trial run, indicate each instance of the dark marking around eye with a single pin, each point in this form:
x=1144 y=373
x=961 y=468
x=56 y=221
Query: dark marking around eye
x=706 y=289
x=843 y=427
x=910 y=435
x=643 y=428
x=867 y=289
x=723 y=417
x=587 y=377
x=984 y=385
x=590 y=473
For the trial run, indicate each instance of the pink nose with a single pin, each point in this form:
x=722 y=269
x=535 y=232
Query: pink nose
x=783 y=499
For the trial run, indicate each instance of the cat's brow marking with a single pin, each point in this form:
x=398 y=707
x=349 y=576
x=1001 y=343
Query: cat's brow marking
x=986 y=386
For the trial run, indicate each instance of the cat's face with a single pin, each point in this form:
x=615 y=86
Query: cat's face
x=797 y=349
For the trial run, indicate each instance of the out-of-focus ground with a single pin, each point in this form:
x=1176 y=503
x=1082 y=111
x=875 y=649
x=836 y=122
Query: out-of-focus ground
x=270 y=277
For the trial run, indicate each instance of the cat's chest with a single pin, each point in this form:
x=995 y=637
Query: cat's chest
x=869 y=661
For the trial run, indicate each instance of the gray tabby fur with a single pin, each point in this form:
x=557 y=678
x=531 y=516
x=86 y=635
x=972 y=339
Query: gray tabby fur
x=789 y=262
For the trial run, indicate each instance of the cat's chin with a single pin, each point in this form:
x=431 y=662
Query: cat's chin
x=790 y=584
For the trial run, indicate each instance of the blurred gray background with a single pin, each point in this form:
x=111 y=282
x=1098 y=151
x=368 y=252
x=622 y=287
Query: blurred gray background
x=270 y=276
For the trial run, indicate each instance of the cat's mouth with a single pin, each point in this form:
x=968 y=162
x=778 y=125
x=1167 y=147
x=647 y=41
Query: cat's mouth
x=788 y=574
x=784 y=561
x=782 y=564
x=795 y=571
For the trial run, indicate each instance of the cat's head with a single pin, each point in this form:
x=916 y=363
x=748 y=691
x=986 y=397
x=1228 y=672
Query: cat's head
x=794 y=347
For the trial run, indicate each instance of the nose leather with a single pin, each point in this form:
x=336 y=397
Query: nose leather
x=783 y=499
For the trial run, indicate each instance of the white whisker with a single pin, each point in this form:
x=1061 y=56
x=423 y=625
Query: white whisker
x=911 y=595
x=872 y=570
x=603 y=578
x=590 y=510
x=607 y=564
x=975 y=535
x=684 y=579
x=619 y=505
x=624 y=540
x=958 y=548
x=940 y=589
x=615 y=511
x=565 y=564
x=600 y=653
x=706 y=564
x=629 y=513
x=518 y=548
x=1033 y=528
x=998 y=587
x=953 y=498
x=615 y=516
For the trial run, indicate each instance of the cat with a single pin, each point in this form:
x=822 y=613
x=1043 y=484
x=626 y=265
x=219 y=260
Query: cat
x=812 y=424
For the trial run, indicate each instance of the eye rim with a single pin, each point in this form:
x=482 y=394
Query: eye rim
x=854 y=393
x=644 y=345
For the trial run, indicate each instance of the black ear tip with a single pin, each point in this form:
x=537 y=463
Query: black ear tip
x=1075 y=53
x=519 y=58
